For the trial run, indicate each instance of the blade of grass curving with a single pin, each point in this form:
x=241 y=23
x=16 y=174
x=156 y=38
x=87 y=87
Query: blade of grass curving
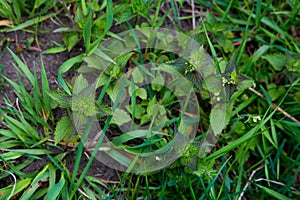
x=29 y=23
x=37 y=94
x=45 y=89
x=244 y=41
x=272 y=193
x=93 y=181
x=212 y=49
x=87 y=31
x=252 y=133
x=17 y=10
x=54 y=191
x=209 y=187
x=133 y=102
x=109 y=16
x=7 y=10
x=258 y=14
x=42 y=176
x=225 y=14
x=104 y=89
x=19 y=187
x=61 y=168
x=64 y=68
x=23 y=67
x=80 y=151
x=99 y=142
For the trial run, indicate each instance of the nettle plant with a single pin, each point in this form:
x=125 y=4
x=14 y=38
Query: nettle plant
x=139 y=93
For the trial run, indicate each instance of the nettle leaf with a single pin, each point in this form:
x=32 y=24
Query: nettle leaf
x=276 y=60
x=61 y=98
x=217 y=119
x=138 y=111
x=84 y=105
x=80 y=84
x=157 y=82
x=63 y=129
x=244 y=82
x=137 y=75
x=142 y=93
x=120 y=117
x=114 y=90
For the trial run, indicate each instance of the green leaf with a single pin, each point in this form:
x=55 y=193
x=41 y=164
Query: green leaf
x=38 y=3
x=64 y=68
x=137 y=75
x=61 y=98
x=142 y=93
x=120 y=117
x=217 y=119
x=63 y=128
x=70 y=39
x=138 y=112
x=23 y=67
x=54 y=191
x=109 y=16
x=80 y=84
x=30 y=22
x=276 y=60
x=20 y=186
x=42 y=176
x=276 y=92
x=87 y=31
x=272 y=193
x=228 y=46
x=55 y=50
x=244 y=82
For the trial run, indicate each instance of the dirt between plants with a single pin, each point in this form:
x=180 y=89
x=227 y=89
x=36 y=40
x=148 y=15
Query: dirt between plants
x=16 y=41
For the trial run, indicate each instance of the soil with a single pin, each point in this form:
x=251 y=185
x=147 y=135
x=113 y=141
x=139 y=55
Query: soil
x=16 y=41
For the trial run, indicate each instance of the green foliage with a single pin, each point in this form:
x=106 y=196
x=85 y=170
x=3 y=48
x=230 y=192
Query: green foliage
x=254 y=43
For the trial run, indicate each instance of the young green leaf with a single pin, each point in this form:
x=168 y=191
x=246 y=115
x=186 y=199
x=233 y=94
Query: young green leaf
x=63 y=129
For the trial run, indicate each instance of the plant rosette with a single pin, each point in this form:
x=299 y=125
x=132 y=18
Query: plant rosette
x=137 y=95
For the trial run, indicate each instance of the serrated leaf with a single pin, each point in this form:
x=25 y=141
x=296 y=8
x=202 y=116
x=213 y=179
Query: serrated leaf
x=142 y=93
x=276 y=60
x=84 y=105
x=217 y=119
x=137 y=75
x=61 y=98
x=63 y=128
x=80 y=84
x=120 y=117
